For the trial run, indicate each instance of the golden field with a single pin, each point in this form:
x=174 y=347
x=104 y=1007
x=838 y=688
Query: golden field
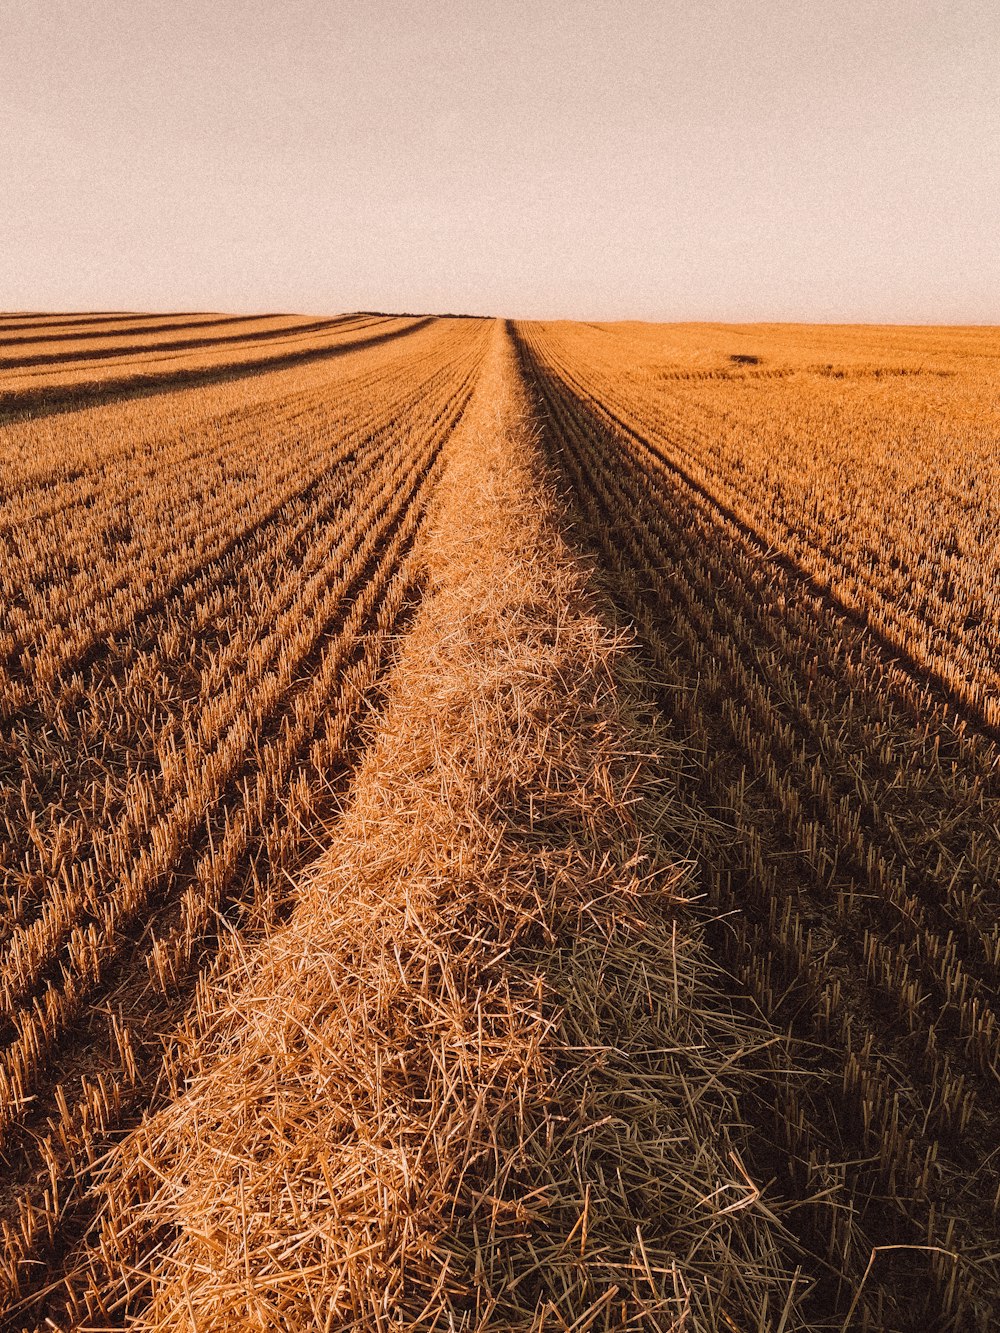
x=498 y=825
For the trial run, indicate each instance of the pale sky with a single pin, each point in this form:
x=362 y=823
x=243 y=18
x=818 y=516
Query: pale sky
x=714 y=159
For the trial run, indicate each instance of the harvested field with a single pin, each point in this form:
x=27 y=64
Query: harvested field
x=810 y=558
x=498 y=825
x=195 y=628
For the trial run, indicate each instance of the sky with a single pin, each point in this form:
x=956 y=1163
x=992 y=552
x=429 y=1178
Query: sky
x=821 y=160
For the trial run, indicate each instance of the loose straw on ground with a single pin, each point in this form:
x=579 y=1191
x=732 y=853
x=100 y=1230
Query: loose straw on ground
x=481 y=1079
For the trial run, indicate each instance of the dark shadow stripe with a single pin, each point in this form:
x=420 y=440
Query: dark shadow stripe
x=65 y=321
x=174 y=345
x=35 y=403
x=168 y=324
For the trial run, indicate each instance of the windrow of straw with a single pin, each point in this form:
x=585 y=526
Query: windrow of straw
x=480 y=1079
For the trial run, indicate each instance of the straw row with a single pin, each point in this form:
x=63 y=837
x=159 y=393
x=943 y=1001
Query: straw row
x=483 y=1078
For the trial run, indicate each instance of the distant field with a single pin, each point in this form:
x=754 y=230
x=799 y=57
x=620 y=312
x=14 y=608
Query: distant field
x=284 y=594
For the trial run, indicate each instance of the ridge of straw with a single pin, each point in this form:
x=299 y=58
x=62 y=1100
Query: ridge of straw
x=479 y=1079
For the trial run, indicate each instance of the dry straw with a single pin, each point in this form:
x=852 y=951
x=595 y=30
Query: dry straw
x=481 y=1079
